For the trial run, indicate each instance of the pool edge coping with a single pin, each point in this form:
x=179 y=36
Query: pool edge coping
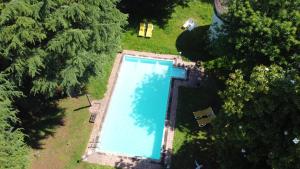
x=92 y=156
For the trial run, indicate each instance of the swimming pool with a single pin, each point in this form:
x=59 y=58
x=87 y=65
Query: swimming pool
x=135 y=117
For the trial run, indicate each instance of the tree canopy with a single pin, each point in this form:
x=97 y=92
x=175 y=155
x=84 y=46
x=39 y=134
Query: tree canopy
x=12 y=147
x=49 y=46
x=53 y=44
x=258 y=126
x=264 y=32
x=261 y=119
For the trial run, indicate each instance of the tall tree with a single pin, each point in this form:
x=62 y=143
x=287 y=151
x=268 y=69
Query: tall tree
x=53 y=44
x=260 y=125
x=260 y=32
x=14 y=152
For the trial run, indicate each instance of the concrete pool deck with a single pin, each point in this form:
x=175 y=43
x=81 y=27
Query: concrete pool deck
x=92 y=156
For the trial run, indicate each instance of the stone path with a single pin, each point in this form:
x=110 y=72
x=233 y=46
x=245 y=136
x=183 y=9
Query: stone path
x=95 y=106
x=136 y=163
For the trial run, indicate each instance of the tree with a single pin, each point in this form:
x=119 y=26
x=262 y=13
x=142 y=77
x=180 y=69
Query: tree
x=260 y=32
x=261 y=120
x=259 y=123
x=14 y=152
x=49 y=45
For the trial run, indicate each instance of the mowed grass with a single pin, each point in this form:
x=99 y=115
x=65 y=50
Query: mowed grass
x=164 y=38
x=66 y=146
x=97 y=84
x=192 y=142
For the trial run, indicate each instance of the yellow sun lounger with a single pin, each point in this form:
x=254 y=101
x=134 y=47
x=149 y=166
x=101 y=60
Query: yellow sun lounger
x=149 y=30
x=204 y=121
x=142 y=29
x=206 y=112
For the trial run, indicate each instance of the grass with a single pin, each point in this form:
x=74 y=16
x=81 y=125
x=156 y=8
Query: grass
x=165 y=39
x=191 y=142
x=97 y=84
x=67 y=144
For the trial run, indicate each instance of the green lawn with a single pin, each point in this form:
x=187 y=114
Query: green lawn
x=97 y=84
x=67 y=140
x=192 y=142
x=171 y=36
x=66 y=145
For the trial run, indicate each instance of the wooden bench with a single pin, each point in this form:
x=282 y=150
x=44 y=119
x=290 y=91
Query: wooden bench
x=93 y=117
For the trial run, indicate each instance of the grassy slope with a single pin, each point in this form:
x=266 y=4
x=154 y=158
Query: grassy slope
x=164 y=39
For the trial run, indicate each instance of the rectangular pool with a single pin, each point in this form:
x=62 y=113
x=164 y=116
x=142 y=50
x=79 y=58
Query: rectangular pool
x=134 y=122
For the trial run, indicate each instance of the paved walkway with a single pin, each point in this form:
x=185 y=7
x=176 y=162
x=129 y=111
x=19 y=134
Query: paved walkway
x=136 y=163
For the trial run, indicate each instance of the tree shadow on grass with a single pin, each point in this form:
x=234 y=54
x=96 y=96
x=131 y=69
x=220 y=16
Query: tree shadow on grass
x=194 y=99
x=39 y=118
x=194 y=44
x=139 y=164
x=157 y=11
x=201 y=150
x=197 y=142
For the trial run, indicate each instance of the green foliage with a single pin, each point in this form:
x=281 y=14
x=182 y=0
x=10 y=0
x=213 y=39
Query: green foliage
x=48 y=46
x=261 y=120
x=263 y=32
x=260 y=43
x=57 y=44
x=12 y=148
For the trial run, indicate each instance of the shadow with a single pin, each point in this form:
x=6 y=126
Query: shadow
x=157 y=11
x=39 y=117
x=194 y=99
x=80 y=108
x=201 y=150
x=147 y=108
x=197 y=143
x=150 y=101
x=194 y=44
x=139 y=164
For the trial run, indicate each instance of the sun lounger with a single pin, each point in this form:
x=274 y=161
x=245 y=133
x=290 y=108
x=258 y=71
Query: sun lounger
x=206 y=112
x=142 y=29
x=204 y=121
x=149 y=30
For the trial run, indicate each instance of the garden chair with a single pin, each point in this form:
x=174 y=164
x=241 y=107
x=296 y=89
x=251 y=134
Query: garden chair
x=149 y=30
x=204 y=121
x=205 y=112
x=142 y=29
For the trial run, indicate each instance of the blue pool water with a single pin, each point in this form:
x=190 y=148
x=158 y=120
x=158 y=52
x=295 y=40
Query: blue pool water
x=134 y=122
